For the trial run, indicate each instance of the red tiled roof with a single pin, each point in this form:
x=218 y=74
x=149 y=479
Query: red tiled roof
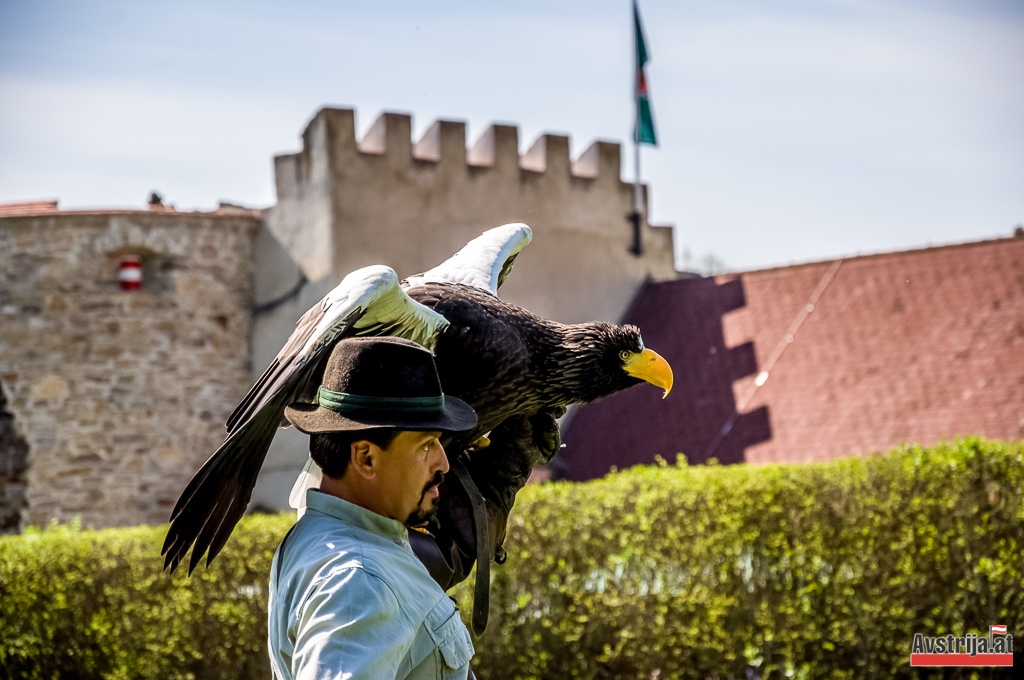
x=913 y=346
x=49 y=207
x=28 y=208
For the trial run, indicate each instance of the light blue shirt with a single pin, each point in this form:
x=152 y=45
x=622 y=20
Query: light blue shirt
x=349 y=599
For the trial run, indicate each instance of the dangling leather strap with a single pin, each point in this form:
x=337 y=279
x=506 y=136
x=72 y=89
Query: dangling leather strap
x=482 y=588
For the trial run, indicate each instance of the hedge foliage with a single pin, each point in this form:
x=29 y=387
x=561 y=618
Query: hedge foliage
x=811 y=571
x=95 y=604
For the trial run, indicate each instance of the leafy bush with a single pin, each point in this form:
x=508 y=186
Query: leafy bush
x=810 y=571
x=95 y=604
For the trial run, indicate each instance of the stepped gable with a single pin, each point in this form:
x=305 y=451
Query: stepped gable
x=822 y=360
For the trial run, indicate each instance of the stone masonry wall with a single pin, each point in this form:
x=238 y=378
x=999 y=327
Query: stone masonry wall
x=119 y=395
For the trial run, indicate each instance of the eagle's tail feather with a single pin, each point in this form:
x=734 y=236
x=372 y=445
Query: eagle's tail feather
x=215 y=499
x=248 y=402
x=220 y=537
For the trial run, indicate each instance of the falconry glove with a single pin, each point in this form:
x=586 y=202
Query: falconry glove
x=518 y=445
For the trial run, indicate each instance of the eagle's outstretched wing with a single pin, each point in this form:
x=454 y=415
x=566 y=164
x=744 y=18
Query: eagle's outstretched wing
x=369 y=301
x=483 y=263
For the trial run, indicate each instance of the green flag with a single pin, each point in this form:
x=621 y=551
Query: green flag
x=643 y=129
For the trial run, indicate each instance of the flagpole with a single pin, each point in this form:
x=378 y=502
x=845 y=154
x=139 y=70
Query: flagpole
x=636 y=215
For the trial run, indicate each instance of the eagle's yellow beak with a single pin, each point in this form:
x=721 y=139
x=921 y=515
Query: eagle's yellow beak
x=650 y=367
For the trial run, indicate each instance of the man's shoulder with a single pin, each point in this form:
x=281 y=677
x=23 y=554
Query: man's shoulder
x=320 y=545
x=318 y=540
x=322 y=549
x=324 y=554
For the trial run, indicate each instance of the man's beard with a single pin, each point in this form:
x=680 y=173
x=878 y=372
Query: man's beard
x=419 y=516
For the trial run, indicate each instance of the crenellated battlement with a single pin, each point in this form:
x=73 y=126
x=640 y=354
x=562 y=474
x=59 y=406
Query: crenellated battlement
x=445 y=143
x=345 y=201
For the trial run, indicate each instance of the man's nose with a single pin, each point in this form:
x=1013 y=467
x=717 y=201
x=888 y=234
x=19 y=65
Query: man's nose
x=444 y=459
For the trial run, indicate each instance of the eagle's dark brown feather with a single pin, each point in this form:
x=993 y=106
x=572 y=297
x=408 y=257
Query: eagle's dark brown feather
x=504 y=360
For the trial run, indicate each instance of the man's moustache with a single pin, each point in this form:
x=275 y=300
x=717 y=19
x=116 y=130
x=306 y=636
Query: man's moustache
x=436 y=481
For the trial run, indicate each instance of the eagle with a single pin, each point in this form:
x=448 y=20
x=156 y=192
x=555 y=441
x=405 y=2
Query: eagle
x=500 y=358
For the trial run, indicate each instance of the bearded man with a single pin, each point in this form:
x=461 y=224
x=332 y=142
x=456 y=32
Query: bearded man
x=353 y=593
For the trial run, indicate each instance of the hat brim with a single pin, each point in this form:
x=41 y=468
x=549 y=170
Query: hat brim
x=456 y=416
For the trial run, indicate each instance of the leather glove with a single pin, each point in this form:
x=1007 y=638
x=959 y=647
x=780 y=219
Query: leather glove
x=518 y=445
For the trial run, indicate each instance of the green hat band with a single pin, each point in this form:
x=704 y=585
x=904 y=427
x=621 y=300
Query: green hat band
x=357 y=404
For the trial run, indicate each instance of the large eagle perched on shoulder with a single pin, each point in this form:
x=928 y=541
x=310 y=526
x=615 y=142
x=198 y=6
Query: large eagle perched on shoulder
x=501 y=359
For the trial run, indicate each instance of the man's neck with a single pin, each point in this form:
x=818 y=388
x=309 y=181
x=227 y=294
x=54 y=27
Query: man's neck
x=345 y=490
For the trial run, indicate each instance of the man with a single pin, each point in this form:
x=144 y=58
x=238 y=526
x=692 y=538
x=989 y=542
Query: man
x=349 y=598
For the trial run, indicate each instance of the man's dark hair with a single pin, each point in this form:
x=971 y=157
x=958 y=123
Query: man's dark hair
x=333 y=450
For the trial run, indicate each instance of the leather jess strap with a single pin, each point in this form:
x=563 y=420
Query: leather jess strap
x=482 y=586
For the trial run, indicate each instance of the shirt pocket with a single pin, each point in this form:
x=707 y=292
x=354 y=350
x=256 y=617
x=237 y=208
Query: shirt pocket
x=450 y=636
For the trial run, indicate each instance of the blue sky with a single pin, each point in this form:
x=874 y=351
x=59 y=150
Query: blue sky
x=791 y=130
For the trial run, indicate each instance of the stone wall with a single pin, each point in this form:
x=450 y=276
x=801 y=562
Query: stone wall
x=118 y=395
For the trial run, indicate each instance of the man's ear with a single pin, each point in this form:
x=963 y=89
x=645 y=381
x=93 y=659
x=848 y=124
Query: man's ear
x=363 y=458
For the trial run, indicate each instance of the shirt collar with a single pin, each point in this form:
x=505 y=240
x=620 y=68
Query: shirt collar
x=355 y=515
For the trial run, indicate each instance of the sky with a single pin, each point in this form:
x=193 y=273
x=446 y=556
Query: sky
x=789 y=130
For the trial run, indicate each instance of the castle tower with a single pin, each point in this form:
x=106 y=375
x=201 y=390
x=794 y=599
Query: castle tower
x=344 y=203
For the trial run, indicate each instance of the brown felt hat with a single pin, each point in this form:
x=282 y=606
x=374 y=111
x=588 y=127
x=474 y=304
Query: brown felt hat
x=381 y=382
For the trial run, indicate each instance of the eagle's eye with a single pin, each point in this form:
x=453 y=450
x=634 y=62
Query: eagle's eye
x=624 y=354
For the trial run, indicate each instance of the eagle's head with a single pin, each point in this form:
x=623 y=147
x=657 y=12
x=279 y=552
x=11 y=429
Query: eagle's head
x=613 y=357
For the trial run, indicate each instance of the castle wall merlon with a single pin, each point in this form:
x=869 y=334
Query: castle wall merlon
x=336 y=126
x=444 y=141
x=301 y=219
x=339 y=126
x=549 y=154
x=289 y=169
x=389 y=136
x=600 y=160
x=497 y=147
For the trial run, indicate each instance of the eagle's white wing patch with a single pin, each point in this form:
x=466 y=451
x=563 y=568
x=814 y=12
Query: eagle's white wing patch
x=483 y=263
x=383 y=308
x=369 y=301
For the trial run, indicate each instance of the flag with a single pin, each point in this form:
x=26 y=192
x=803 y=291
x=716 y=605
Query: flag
x=996 y=629
x=643 y=129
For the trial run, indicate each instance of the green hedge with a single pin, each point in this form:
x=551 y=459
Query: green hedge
x=811 y=571
x=95 y=604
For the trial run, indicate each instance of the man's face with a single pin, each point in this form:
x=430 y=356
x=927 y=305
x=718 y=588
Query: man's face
x=411 y=469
